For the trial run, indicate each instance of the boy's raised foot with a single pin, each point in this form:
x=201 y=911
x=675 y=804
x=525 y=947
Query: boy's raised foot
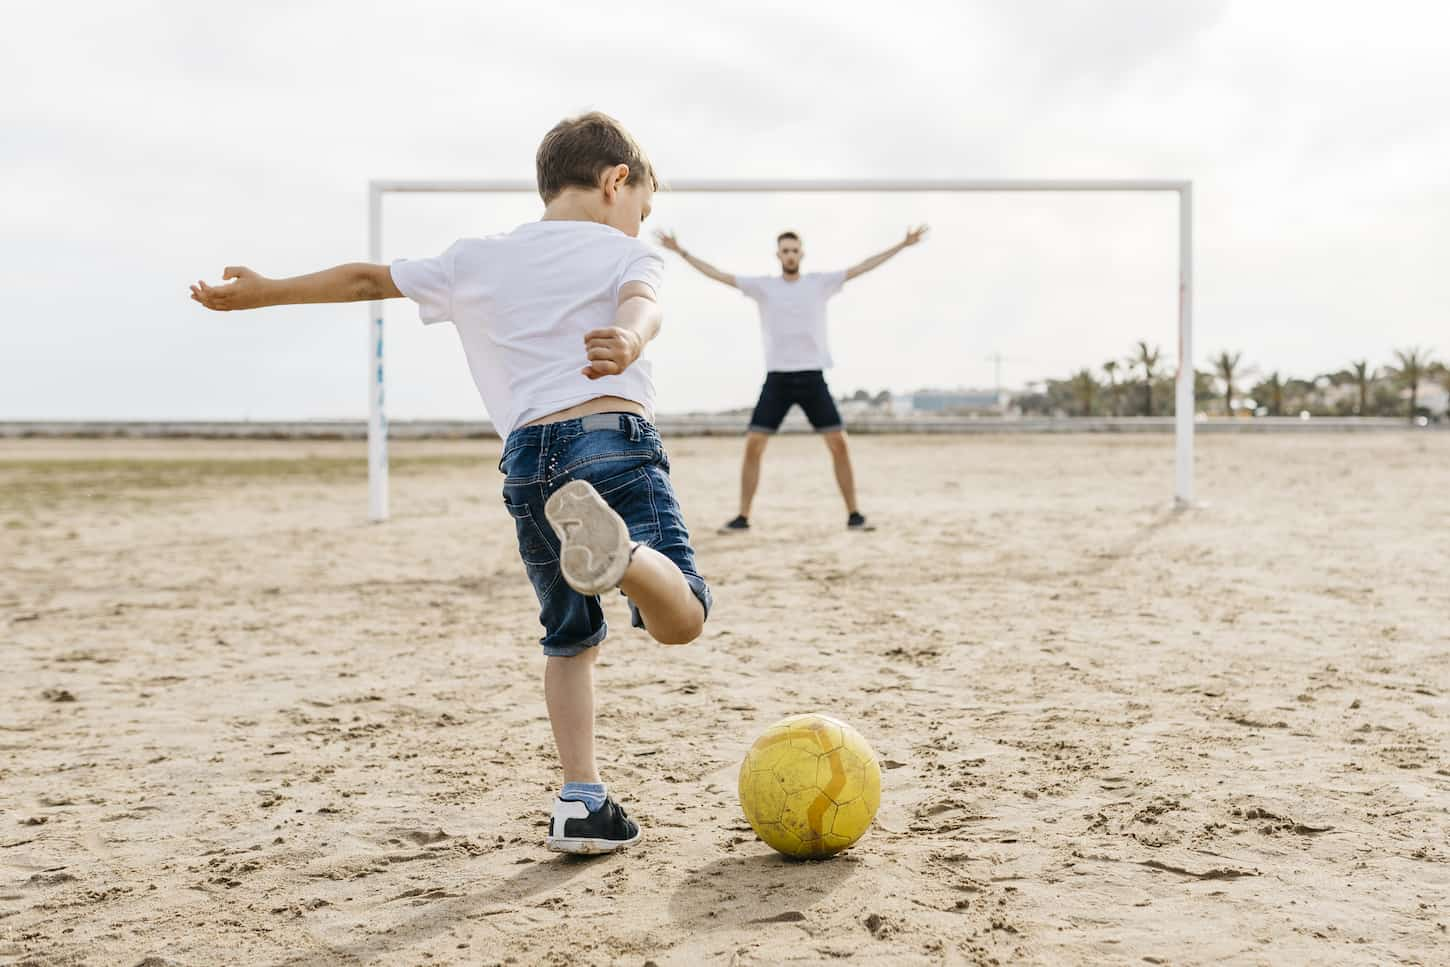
x=574 y=829
x=594 y=544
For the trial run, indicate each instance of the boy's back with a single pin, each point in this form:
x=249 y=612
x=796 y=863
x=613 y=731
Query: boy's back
x=522 y=303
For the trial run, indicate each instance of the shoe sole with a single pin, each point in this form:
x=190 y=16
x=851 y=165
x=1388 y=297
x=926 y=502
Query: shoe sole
x=568 y=844
x=593 y=539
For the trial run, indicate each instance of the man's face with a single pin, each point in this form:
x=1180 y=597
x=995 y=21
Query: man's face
x=789 y=251
x=631 y=207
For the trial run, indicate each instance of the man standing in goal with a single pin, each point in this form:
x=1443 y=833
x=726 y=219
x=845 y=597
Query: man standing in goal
x=797 y=354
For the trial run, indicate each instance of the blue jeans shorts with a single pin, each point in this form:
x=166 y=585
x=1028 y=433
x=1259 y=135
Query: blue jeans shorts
x=622 y=456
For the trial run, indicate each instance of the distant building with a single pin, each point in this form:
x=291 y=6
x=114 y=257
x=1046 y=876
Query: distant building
x=949 y=401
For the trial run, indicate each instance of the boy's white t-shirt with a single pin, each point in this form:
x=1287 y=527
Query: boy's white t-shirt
x=522 y=302
x=793 y=318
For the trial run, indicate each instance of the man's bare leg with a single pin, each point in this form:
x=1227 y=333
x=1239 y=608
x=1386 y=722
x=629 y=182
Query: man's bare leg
x=750 y=469
x=841 y=459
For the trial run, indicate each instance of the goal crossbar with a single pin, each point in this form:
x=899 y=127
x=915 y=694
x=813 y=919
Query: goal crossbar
x=1184 y=384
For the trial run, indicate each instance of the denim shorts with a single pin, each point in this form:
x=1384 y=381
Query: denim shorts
x=622 y=456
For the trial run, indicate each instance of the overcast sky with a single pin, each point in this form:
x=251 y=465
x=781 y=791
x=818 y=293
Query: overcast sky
x=146 y=145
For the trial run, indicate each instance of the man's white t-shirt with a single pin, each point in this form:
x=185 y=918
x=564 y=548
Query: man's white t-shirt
x=793 y=318
x=522 y=302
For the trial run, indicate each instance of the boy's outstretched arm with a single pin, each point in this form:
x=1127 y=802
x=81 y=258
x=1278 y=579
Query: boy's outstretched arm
x=637 y=320
x=353 y=282
x=913 y=235
x=668 y=240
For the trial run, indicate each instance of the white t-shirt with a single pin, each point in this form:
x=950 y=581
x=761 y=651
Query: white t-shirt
x=793 y=318
x=522 y=302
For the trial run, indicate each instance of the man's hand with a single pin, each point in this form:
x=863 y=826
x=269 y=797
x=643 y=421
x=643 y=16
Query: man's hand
x=668 y=240
x=248 y=290
x=611 y=351
x=913 y=235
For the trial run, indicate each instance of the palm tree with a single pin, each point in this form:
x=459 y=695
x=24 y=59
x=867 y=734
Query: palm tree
x=1413 y=364
x=1271 y=394
x=1084 y=390
x=1225 y=364
x=1363 y=376
x=1111 y=368
x=1148 y=359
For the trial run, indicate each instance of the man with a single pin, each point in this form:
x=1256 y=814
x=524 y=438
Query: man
x=797 y=353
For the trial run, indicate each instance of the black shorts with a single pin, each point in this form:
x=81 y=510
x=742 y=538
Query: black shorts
x=783 y=390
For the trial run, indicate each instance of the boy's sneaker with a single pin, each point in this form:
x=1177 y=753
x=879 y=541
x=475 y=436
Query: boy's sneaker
x=594 y=545
x=856 y=522
x=574 y=829
x=738 y=524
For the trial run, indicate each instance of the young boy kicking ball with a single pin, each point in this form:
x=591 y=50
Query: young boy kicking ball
x=553 y=318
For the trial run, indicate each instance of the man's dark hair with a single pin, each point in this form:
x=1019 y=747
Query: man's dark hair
x=576 y=151
x=785 y=235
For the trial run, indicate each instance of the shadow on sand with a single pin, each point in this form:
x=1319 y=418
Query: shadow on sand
x=439 y=917
x=732 y=892
x=763 y=888
x=1126 y=546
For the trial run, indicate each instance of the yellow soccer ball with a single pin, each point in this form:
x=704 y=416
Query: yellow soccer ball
x=810 y=786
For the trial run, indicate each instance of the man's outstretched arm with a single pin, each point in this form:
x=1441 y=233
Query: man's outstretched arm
x=354 y=282
x=669 y=241
x=913 y=235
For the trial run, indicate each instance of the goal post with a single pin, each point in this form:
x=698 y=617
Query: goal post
x=1184 y=385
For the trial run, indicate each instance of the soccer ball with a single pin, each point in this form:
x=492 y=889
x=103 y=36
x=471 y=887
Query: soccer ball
x=810 y=786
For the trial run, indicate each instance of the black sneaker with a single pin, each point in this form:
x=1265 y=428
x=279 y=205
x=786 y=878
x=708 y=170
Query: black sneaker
x=858 y=523
x=738 y=524
x=574 y=829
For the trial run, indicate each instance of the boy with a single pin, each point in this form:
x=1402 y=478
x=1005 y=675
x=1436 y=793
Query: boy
x=553 y=318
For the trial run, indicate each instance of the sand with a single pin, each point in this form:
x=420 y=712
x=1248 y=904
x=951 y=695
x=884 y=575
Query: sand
x=239 y=725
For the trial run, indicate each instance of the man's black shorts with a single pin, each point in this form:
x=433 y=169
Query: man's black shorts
x=784 y=390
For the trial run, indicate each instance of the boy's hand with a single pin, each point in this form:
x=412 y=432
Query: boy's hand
x=668 y=240
x=914 y=235
x=611 y=351
x=247 y=291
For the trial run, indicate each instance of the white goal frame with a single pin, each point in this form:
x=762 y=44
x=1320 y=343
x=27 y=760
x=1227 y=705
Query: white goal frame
x=1183 y=408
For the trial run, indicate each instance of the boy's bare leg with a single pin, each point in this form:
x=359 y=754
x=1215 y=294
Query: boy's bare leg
x=671 y=612
x=841 y=458
x=750 y=469
x=597 y=555
x=569 y=695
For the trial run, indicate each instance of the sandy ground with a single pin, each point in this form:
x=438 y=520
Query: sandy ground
x=239 y=725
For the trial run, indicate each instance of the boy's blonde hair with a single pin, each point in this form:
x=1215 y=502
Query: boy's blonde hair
x=577 y=150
